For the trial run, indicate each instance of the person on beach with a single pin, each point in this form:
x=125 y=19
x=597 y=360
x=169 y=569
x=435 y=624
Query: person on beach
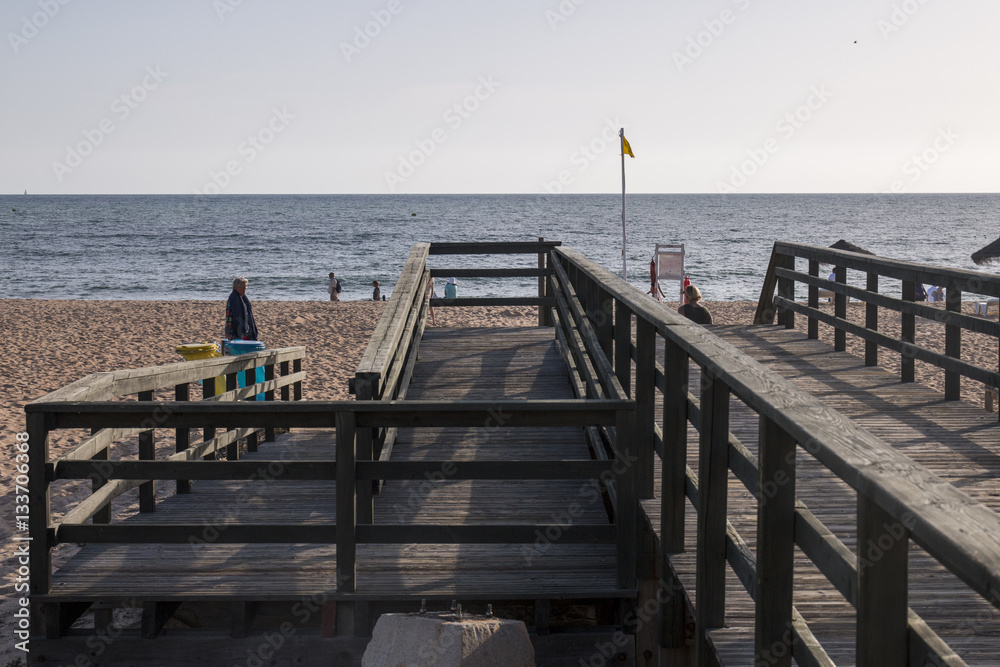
x=431 y=294
x=334 y=288
x=655 y=284
x=240 y=324
x=451 y=289
x=376 y=293
x=693 y=310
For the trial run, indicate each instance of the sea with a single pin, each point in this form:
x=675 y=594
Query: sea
x=178 y=247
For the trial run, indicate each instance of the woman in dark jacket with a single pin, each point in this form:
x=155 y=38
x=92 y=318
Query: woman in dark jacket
x=239 y=313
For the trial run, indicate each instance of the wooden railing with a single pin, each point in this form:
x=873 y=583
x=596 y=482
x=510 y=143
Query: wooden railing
x=89 y=460
x=906 y=276
x=899 y=501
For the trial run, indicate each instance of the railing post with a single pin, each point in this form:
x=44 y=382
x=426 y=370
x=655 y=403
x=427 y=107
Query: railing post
x=603 y=319
x=871 y=321
x=626 y=516
x=103 y=515
x=813 y=324
x=713 y=489
x=544 y=313
x=907 y=333
x=182 y=436
x=952 y=343
x=883 y=551
x=365 y=389
x=645 y=405
x=40 y=519
x=347 y=488
x=623 y=345
x=147 y=452
x=673 y=500
x=840 y=311
x=786 y=289
x=208 y=432
x=269 y=396
x=775 y=546
x=297 y=386
x=233 y=448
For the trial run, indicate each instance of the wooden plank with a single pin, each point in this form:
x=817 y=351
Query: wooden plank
x=518 y=301
x=645 y=406
x=494 y=470
x=483 y=272
x=882 y=587
x=952 y=343
x=147 y=451
x=492 y=248
x=346 y=503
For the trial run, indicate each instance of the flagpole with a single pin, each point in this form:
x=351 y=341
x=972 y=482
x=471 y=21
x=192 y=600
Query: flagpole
x=621 y=133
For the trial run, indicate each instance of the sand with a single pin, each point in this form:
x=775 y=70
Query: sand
x=48 y=344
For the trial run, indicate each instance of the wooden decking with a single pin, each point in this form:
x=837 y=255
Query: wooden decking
x=956 y=440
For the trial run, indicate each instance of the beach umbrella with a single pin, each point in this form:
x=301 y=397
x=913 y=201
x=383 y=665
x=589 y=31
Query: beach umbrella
x=987 y=254
x=843 y=244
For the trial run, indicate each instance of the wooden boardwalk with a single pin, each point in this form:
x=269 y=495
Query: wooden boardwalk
x=958 y=441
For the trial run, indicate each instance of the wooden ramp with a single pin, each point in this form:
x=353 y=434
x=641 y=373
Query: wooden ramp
x=956 y=440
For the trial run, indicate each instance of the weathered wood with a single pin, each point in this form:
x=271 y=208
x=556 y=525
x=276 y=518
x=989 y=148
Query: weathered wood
x=492 y=248
x=147 y=451
x=674 y=457
x=952 y=343
x=710 y=611
x=155 y=615
x=199 y=470
x=499 y=534
x=496 y=470
x=775 y=543
x=786 y=290
x=813 y=299
x=483 y=272
x=907 y=336
x=645 y=407
x=623 y=345
x=518 y=301
x=883 y=550
x=765 y=303
x=182 y=436
x=871 y=321
x=346 y=502
x=839 y=310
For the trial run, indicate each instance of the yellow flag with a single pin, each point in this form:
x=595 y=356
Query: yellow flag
x=626 y=149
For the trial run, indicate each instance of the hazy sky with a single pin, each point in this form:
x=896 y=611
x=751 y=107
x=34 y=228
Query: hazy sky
x=440 y=96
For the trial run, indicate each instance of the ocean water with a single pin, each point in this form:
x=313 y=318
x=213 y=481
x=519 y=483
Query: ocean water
x=190 y=247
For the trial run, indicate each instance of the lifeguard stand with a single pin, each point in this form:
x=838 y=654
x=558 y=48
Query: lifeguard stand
x=670 y=265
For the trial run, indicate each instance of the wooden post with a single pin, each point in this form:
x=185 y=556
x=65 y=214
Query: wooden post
x=908 y=330
x=813 y=324
x=713 y=482
x=147 y=452
x=102 y=515
x=297 y=368
x=675 y=428
x=544 y=319
x=40 y=519
x=840 y=311
x=365 y=389
x=775 y=546
x=347 y=497
x=182 y=436
x=626 y=516
x=871 y=321
x=645 y=405
x=232 y=449
x=786 y=289
x=953 y=343
x=208 y=391
x=623 y=346
x=603 y=319
x=269 y=396
x=883 y=550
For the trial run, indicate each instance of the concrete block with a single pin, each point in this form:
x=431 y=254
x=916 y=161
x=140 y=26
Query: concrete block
x=445 y=640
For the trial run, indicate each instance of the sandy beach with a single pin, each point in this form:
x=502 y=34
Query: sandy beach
x=51 y=343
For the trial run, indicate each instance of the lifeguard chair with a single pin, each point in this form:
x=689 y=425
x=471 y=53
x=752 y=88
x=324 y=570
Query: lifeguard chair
x=669 y=260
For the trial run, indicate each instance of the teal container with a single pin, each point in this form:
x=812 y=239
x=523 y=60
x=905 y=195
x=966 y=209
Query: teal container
x=234 y=347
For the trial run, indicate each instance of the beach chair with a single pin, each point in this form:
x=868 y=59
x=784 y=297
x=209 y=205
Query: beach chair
x=983 y=307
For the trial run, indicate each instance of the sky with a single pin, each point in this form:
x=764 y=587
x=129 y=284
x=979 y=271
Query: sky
x=439 y=96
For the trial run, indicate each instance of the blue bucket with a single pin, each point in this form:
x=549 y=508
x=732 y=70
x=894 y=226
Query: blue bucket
x=235 y=347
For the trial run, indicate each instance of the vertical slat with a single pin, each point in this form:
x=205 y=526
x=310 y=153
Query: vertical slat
x=623 y=345
x=907 y=333
x=775 y=545
x=347 y=487
x=710 y=574
x=286 y=391
x=232 y=449
x=365 y=385
x=840 y=311
x=208 y=391
x=952 y=343
x=626 y=516
x=786 y=289
x=297 y=386
x=883 y=547
x=675 y=428
x=269 y=396
x=147 y=452
x=871 y=321
x=40 y=557
x=645 y=405
x=543 y=312
x=182 y=436
x=604 y=320
x=813 y=324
